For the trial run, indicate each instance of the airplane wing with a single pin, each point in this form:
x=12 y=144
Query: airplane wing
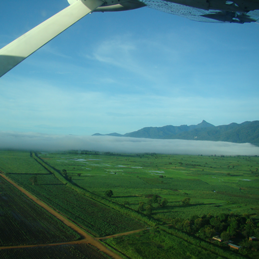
x=18 y=50
x=235 y=11
x=212 y=11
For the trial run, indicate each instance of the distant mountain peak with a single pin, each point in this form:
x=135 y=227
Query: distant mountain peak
x=204 y=124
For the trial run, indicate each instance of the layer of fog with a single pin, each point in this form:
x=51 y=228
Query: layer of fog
x=44 y=142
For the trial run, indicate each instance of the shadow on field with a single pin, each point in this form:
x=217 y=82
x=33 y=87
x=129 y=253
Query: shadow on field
x=167 y=209
x=29 y=173
x=126 y=196
x=132 y=203
x=78 y=179
x=51 y=184
x=197 y=204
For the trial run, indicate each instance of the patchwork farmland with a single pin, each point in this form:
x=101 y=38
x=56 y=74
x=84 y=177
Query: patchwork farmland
x=170 y=201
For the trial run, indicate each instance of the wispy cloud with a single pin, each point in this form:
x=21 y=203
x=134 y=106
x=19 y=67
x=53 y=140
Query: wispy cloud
x=53 y=51
x=117 y=51
x=121 y=52
x=135 y=55
x=33 y=105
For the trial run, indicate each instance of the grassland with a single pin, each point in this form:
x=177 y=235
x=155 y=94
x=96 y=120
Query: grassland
x=214 y=184
x=149 y=190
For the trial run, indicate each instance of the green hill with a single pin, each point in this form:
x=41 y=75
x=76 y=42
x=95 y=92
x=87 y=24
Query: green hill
x=246 y=132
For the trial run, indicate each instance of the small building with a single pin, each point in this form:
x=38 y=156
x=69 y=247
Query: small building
x=252 y=238
x=217 y=238
x=234 y=246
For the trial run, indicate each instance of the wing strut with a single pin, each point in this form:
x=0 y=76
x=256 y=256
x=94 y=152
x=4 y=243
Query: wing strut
x=18 y=50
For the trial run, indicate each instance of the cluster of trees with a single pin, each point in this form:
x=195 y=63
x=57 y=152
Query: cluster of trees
x=148 y=207
x=186 y=201
x=109 y=193
x=67 y=177
x=229 y=226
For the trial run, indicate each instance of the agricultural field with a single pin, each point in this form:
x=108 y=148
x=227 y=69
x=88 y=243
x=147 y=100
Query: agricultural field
x=50 y=252
x=214 y=184
x=182 y=201
x=24 y=222
x=19 y=162
x=158 y=244
x=173 y=189
x=98 y=219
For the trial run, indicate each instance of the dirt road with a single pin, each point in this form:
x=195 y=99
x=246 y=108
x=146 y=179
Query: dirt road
x=78 y=242
x=122 y=234
x=86 y=237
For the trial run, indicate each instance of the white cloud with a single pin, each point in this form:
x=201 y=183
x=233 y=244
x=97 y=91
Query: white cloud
x=116 y=51
x=48 y=48
x=43 y=142
x=136 y=55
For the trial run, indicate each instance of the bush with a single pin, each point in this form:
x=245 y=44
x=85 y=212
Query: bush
x=109 y=193
x=186 y=201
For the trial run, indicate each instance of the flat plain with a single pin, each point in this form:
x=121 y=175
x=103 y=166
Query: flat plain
x=214 y=184
x=182 y=201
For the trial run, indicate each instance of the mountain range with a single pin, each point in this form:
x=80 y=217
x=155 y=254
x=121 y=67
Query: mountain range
x=246 y=132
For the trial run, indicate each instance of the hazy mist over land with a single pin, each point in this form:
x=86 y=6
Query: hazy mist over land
x=45 y=142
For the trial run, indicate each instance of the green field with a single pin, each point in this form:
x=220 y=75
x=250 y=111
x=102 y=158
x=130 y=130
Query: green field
x=160 y=245
x=214 y=184
x=98 y=219
x=24 y=222
x=62 y=252
x=183 y=200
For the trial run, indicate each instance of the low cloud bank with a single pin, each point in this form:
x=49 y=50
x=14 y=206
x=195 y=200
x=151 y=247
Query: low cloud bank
x=45 y=142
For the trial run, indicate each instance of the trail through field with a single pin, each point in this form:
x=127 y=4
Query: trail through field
x=87 y=239
x=78 y=242
x=122 y=234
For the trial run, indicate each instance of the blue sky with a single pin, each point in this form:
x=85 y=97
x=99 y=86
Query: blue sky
x=119 y=72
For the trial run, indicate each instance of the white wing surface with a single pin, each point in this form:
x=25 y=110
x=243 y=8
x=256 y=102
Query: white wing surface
x=18 y=50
